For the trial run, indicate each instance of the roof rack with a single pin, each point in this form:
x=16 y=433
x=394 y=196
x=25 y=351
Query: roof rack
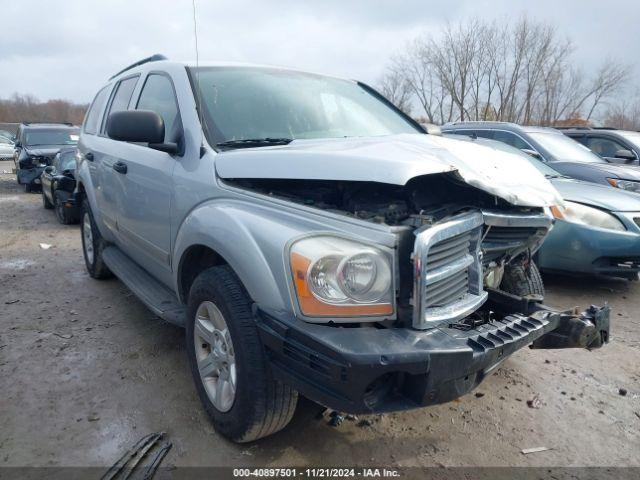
x=605 y=128
x=153 y=58
x=572 y=127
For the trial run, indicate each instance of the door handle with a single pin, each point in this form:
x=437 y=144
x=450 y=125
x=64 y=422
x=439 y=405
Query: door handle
x=120 y=167
x=89 y=156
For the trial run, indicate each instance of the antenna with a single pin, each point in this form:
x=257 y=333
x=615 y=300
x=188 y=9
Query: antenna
x=195 y=35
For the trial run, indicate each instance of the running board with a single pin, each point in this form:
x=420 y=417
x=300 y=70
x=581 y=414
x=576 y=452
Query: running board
x=158 y=298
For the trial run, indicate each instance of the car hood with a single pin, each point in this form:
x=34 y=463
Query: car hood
x=614 y=170
x=45 y=150
x=394 y=159
x=597 y=195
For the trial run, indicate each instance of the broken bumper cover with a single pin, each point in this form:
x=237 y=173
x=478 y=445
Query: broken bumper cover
x=30 y=176
x=366 y=370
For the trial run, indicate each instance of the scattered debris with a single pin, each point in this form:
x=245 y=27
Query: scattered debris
x=73 y=312
x=336 y=419
x=93 y=417
x=479 y=394
x=365 y=422
x=534 y=402
x=527 y=451
x=125 y=466
x=637 y=414
x=66 y=336
x=45 y=246
x=622 y=392
x=11 y=302
x=547 y=361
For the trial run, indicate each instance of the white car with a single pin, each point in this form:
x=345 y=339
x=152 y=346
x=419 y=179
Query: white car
x=6 y=148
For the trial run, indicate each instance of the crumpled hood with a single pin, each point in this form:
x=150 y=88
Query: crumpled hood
x=597 y=195
x=45 y=151
x=394 y=159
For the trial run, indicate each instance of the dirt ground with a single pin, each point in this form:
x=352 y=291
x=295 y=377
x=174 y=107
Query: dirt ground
x=86 y=370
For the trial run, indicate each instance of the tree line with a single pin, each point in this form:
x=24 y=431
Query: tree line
x=522 y=72
x=26 y=108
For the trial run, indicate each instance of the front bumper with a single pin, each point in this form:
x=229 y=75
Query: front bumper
x=30 y=176
x=581 y=249
x=366 y=370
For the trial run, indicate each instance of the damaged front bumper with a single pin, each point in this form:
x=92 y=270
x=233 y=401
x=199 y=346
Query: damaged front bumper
x=30 y=176
x=368 y=369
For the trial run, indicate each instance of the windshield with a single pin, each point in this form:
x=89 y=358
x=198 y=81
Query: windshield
x=633 y=137
x=241 y=103
x=68 y=160
x=564 y=149
x=51 y=137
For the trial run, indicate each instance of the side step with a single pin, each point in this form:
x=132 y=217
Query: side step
x=152 y=293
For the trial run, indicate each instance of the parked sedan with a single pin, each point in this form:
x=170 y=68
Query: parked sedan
x=550 y=146
x=58 y=184
x=615 y=146
x=596 y=231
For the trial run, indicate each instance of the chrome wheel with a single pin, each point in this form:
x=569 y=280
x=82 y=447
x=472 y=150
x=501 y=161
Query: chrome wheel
x=215 y=356
x=87 y=235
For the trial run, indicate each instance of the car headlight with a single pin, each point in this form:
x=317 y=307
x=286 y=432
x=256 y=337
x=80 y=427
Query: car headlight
x=593 y=217
x=337 y=277
x=628 y=185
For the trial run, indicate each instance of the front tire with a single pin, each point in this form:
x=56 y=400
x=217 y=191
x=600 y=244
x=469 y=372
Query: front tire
x=228 y=363
x=523 y=281
x=61 y=211
x=45 y=201
x=92 y=245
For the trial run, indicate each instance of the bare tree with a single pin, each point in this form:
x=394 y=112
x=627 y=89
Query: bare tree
x=519 y=72
x=26 y=108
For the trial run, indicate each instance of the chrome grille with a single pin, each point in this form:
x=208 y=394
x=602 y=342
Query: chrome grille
x=448 y=270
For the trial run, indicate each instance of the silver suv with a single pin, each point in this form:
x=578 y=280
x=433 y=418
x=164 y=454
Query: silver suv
x=313 y=240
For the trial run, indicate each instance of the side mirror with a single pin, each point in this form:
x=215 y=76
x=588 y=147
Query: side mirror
x=140 y=126
x=626 y=155
x=17 y=145
x=532 y=153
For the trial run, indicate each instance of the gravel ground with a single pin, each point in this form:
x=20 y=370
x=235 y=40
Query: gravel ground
x=86 y=370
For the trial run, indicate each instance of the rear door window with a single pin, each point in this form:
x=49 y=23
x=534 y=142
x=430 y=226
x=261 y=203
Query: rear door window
x=511 y=139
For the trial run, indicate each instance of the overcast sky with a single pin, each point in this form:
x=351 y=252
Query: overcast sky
x=68 y=48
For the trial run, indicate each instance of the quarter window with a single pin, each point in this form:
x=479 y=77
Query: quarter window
x=157 y=95
x=91 y=119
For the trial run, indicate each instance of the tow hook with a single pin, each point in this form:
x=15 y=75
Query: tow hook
x=589 y=330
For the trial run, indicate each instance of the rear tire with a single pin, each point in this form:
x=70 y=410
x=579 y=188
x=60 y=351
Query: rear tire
x=220 y=308
x=523 y=281
x=27 y=187
x=92 y=245
x=45 y=201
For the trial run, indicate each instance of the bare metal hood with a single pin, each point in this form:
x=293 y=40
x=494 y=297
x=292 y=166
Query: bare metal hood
x=394 y=159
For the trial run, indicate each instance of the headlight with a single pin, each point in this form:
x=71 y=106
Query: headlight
x=342 y=278
x=593 y=217
x=628 y=185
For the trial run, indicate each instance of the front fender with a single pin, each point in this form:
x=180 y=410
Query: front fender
x=250 y=239
x=251 y=235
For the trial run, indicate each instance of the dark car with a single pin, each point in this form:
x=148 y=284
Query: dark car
x=549 y=145
x=615 y=146
x=36 y=145
x=58 y=183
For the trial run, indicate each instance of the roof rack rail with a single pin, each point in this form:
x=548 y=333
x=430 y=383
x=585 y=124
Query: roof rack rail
x=572 y=127
x=48 y=123
x=153 y=58
x=605 y=128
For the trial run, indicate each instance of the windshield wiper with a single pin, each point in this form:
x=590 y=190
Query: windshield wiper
x=254 y=142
